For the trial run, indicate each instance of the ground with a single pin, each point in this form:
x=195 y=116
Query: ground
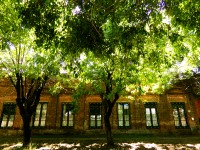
x=124 y=142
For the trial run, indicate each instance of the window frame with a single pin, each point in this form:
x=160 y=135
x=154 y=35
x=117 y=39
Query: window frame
x=67 y=105
x=123 y=116
x=152 y=105
x=98 y=105
x=40 y=116
x=177 y=106
x=9 y=115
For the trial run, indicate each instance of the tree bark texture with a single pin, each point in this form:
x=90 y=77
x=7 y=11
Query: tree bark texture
x=27 y=130
x=109 y=137
x=107 y=109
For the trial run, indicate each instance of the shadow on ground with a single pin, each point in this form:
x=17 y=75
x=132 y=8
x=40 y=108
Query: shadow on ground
x=123 y=142
x=102 y=146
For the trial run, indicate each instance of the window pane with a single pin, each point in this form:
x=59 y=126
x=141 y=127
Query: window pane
x=38 y=112
x=155 y=123
x=3 y=123
x=126 y=109
x=70 y=113
x=38 y=107
x=176 y=119
x=182 y=117
x=71 y=117
x=148 y=117
x=92 y=117
x=126 y=106
x=64 y=108
x=71 y=124
x=120 y=109
x=153 y=111
x=120 y=117
x=98 y=117
x=5 y=117
x=10 y=123
x=120 y=123
x=44 y=106
x=127 y=123
x=43 y=117
x=176 y=123
x=183 y=122
x=44 y=112
x=148 y=123
x=11 y=120
x=98 y=123
x=92 y=123
x=37 y=117
x=36 y=123
x=175 y=113
x=42 y=123
x=64 y=117
x=64 y=123
x=154 y=117
x=126 y=117
x=147 y=111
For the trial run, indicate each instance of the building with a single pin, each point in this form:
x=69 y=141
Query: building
x=174 y=112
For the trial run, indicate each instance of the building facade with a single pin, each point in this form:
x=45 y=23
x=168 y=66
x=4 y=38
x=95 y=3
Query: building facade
x=174 y=112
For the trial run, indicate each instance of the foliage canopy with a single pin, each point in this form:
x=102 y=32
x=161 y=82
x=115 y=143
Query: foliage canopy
x=129 y=44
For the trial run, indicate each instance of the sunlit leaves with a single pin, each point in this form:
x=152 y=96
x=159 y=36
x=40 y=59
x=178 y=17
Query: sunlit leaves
x=43 y=17
x=152 y=35
x=19 y=53
x=184 y=13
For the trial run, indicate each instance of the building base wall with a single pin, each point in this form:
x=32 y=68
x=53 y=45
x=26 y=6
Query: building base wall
x=19 y=132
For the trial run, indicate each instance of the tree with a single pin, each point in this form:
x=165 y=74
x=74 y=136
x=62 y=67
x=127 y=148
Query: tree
x=112 y=77
x=185 y=33
x=121 y=74
x=143 y=29
x=23 y=63
x=143 y=32
x=189 y=80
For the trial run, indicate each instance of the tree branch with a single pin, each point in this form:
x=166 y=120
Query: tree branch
x=30 y=88
x=13 y=83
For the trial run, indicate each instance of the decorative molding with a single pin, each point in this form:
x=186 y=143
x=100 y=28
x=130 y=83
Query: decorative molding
x=150 y=98
x=176 y=98
x=93 y=98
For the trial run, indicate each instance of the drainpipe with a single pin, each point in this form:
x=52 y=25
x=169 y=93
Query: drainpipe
x=84 y=113
x=57 y=97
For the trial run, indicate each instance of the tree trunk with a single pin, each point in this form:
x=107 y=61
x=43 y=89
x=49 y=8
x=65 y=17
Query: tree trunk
x=107 y=109
x=26 y=130
x=109 y=137
x=28 y=97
